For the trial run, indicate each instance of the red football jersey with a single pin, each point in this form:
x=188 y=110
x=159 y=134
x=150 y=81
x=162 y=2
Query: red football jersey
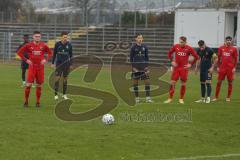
x=36 y=52
x=227 y=56
x=182 y=54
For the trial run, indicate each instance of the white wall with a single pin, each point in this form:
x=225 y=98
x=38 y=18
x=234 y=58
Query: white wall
x=208 y=25
x=238 y=31
x=229 y=24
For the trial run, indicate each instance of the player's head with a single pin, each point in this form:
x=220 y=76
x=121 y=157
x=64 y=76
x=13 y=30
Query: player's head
x=64 y=37
x=26 y=38
x=139 y=38
x=201 y=45
x=36 y=36
x=182 y=41
x=228 y=41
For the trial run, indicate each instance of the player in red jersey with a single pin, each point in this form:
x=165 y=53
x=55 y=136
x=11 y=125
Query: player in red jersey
x=36 y=61
x=227 y=62
x=180 y=64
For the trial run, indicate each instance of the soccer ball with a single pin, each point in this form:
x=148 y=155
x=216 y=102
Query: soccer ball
x=108 y=119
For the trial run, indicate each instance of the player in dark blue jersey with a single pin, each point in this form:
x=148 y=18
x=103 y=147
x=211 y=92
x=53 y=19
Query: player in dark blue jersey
x=207 y=62
x=139 y=60
x=24 y=65
x=62 y=60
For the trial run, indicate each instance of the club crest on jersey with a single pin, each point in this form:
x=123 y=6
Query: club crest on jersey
x=181 y=54
x=143 y=49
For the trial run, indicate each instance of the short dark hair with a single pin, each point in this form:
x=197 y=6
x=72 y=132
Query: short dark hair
x=25 y=35
x=183 y=38
x=36 y=32
x=201 y=43
x=64 y=33
x=228 y=38
x=138 y=34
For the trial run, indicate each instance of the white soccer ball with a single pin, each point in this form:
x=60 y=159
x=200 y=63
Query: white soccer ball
x=108 y=119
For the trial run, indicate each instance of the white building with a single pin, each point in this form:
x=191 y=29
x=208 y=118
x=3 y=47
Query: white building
x=211 y=25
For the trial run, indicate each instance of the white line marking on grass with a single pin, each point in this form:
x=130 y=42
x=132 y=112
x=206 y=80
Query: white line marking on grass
x=207 y=157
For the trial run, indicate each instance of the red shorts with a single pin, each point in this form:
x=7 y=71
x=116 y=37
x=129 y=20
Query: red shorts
x=35 y=72
x=181 y=73
x=223 y=72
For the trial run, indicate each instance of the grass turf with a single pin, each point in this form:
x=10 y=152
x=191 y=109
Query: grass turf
x=38 y=134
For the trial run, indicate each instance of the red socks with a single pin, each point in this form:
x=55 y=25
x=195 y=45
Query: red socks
x=218 y=89
x=171 y=91
x=230 y=87
x=182 y=91
x=38 y=94
x=27 y=92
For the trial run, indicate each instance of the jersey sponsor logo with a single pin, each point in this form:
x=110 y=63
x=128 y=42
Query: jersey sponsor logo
x=36 y=53
x=226 y=54
x=182 y=54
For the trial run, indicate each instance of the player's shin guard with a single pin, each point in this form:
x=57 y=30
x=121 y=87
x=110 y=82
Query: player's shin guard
x=147 y=89
x=38 y=93
x=218 y=89
x=56 y=86
x=203 y=90
x=64 y=87
x=209 y=90
x=135 y=88
x=27 y=93
x=182 y=91
x=171 y=91
x=230 y=87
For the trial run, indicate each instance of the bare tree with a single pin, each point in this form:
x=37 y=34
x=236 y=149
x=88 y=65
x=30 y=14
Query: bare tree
x=225 y=3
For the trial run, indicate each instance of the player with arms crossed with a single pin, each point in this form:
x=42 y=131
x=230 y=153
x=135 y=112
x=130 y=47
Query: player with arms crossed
x=179 y=57
x=207 y=62
x=62 y=56
x=36 y=51
x=139 y=60
x=227 y=62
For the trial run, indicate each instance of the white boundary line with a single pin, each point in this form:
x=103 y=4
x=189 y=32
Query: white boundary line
x=207 y=157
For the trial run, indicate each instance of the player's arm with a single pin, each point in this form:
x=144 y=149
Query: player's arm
x=235 y=57
x=54 y=54
x=146 y=59
x=132 y=59
x=219 y=59
x=71 y=54
x=195 y=56
x=21 y=52
x=215 y=61
x=170 y=56
x=49 y=52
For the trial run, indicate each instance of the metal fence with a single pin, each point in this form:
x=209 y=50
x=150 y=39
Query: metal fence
x=101 y=41
x=143 y=11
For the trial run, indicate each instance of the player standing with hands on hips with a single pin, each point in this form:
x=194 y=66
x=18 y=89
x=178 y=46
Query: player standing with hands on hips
x=36 y=51
x=227 y=62
x=179 y=57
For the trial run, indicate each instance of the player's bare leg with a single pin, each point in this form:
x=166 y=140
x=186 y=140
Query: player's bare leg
x=27 y=93
x=171 y=92
x=218 y=88
x=182 y=92
x=65 y=88
x=230 y=87
x=135 y=88
x=38 y=94
x=147 y=89
x=56 y=87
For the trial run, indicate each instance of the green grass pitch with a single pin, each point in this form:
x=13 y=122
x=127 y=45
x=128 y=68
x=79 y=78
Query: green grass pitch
x=37 y=134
